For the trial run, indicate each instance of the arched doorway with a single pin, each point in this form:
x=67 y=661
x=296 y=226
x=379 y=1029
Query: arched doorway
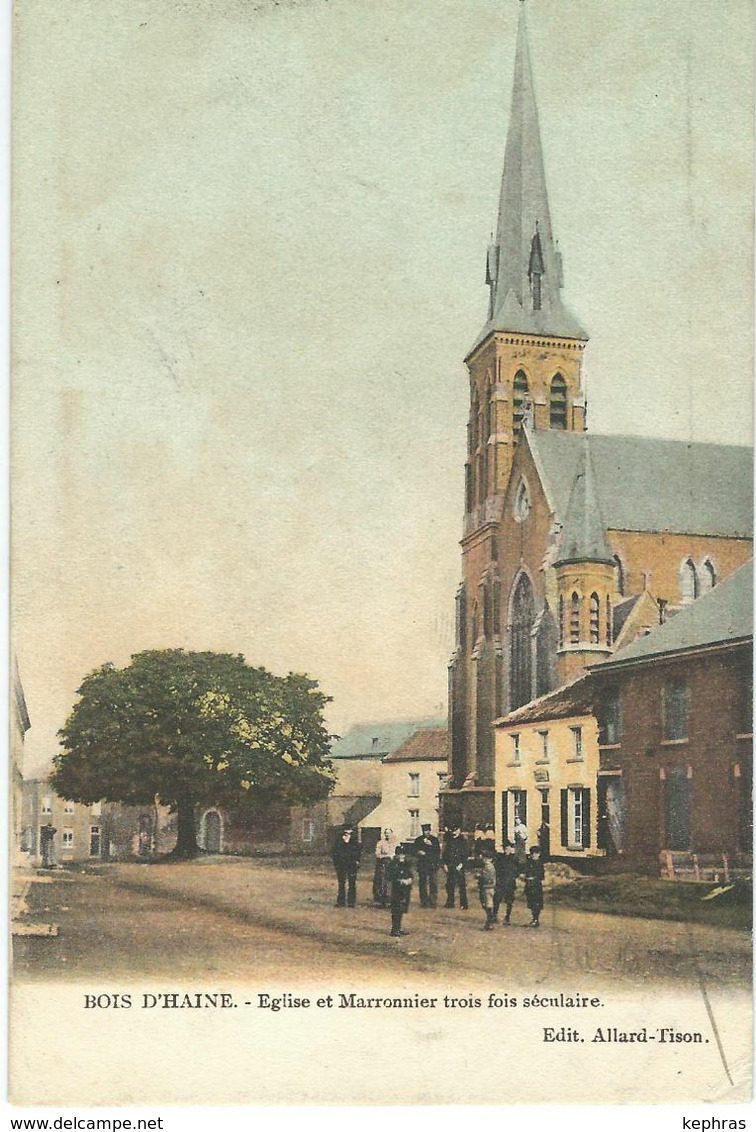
x=211 y=831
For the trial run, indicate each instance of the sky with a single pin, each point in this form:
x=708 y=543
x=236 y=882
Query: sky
x=249 y=259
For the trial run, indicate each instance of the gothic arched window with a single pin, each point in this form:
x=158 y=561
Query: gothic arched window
x=609 y=621
x=595 y=612
x=558 y=402
x=561 y=621
x=521 y=656
x=520 y=392
x=620 y=575
x=688 y=581
x=708 y=576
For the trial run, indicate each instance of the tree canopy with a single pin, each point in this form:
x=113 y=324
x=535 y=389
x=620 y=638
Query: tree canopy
x=193 y=728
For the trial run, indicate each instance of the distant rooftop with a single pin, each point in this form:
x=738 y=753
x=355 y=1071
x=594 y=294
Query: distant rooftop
x=378 y=739
x=429 y=743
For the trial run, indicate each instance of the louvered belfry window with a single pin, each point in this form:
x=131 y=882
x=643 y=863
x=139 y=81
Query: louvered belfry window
x=575 y=619
x=595 y=617
x=519 y=397
x=558 y=403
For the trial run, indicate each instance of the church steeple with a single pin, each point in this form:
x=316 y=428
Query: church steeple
x=524 y=265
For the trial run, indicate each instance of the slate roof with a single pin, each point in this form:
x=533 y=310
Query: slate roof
x=524 y=240
x=571 y=699
x=378 y=739
x=430 y=743
x=649 y=484
x=583 y=537
x=620 y=613
x=723 y=615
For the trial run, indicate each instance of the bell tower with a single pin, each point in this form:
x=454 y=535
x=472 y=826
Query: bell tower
x=528 y=357
x=524 y=369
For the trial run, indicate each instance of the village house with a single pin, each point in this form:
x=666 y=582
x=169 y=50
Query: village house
x=358 y=762
x=411 y=779
x=546 y=773
x=100 y=831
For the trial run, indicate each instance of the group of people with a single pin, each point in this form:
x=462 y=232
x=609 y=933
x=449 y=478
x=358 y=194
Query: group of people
x=393 y=876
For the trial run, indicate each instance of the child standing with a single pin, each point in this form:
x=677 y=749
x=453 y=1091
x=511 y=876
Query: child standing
x=486 y=888
x=400 y=879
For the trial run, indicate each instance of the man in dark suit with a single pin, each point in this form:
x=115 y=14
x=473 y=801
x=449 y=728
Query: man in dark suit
x=454 y=859
x=428 y=856
x=346 y=860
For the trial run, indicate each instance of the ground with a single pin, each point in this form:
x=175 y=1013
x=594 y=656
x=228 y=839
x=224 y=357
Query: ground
x=228 y=917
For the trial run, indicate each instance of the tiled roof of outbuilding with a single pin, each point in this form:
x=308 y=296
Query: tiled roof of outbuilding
x=430 y=743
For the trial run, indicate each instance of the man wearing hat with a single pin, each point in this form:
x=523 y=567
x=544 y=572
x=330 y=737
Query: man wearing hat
x=400 y=878
x=454 y=858
x=428 y=857
x=346 y=860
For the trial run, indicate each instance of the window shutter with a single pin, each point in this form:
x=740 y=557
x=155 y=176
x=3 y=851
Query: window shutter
x=586 y=818
x=564 y=831
x=505 y=816
x=524 y=806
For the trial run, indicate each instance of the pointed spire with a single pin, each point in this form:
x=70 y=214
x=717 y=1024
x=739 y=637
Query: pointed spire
x=523 y=232
x=583 y=534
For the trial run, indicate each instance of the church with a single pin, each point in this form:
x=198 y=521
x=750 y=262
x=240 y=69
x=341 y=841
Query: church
x=574 y=544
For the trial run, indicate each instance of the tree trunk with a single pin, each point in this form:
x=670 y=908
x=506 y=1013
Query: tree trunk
x=186 y=844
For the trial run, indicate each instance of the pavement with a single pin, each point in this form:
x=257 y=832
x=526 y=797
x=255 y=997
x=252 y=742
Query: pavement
x=229 y=916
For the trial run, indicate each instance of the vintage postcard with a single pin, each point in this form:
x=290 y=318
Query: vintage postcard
x=381 y=552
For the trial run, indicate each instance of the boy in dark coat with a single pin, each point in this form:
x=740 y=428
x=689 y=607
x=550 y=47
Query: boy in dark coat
x=400 y=879
x=534 y=885
x=507 y=868
x=346 y=860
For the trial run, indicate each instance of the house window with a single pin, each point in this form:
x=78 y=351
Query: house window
x=46 y=807
x=575 y=619
x=375 y=742
x=544 y=737
x=576 y=817
x=414 y=823
x=515 y=748
x=68 y=808
x=675 y=709
x=558 y=403
x=443 y=778
x=68 y=840
x=95 y=809
x=519 y=397
x=414 y=785
x=577 y=743
x=688 y=581
x=595 y=616
x=95 y=841
x=611 y=711
x=308 y=830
